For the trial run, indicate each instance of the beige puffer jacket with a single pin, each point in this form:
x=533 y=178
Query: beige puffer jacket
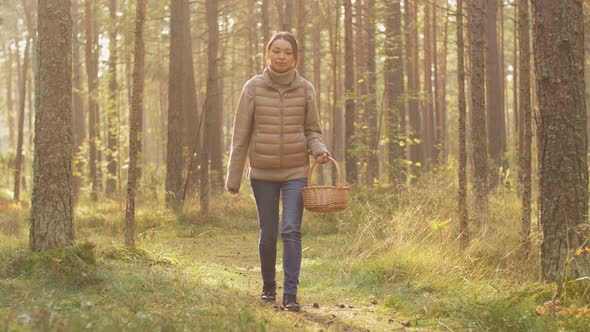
x=278 y=124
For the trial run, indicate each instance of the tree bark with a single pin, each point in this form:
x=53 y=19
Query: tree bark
x=478 y=116
x=134 y=134
x=525 y=111
x=182 y=108
x=79 y=126
x=91 y=73
x=394 y=85
x=496 y=129
x=563 y=166
x=428 y=120
x=442 y=130
x=51 y=206
x=111 y=121
x=350 y=111
x=265 y=29
x=337 y=114
x=412 y=68
x=301 y=21
x=21 y=120
x=372 y=112
x=9 y=101
x=462 y=199
x=288 y=16
x=210 y=102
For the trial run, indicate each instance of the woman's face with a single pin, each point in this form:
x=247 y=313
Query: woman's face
x=281 y=56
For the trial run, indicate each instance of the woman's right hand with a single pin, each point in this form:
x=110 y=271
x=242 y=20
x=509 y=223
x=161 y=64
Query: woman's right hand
x=233 y=191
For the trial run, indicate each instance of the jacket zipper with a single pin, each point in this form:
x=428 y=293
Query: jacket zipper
x=281 y=140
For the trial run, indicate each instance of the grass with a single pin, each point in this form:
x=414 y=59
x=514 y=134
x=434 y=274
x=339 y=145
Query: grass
x=391 y=261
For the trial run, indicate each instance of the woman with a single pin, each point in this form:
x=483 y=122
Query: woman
x=277 y=122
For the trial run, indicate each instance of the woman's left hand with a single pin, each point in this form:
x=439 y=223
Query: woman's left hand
x=323 y=159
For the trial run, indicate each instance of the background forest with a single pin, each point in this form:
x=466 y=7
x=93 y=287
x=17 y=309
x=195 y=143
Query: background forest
x=461 y=127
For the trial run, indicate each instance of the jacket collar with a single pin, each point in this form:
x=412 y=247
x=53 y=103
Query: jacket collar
x=281 y=82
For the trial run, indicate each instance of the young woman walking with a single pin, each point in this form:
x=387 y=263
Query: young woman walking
x=277 y=126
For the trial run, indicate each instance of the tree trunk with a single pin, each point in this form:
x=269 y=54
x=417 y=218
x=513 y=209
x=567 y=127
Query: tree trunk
x=301 y=18
x=111 y=121
x=462 y=199
x=210 y=102
x=288 y=16
x=21 y=120
x=563 y=166
x=317 y=62
x=134 y=135
x=442 y=109
x=337 y=114
x=216 y=134
x=496 y=129
x=525 y=111
x=478 y=115
x=91 y=73
x=9 y=101
x=414 y=132
x=265 y=28
x=428 y=120
x=280 y=5
x=371 y=109
x=182 y=105
x=394 y=85
x=51 y=206
x=251 y=39
x=79 y=127
x=515 y=87
x=350 y=112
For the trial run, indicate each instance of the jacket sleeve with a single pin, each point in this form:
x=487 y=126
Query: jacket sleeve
x=240 y=143
x=313 y=132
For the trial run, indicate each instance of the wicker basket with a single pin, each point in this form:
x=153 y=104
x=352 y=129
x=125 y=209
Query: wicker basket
x=325 y=198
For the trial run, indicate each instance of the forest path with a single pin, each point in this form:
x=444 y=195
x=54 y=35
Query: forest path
x=187 y=275
x=227 y=260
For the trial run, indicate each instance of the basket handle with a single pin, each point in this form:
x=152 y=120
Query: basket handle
x=309 y=184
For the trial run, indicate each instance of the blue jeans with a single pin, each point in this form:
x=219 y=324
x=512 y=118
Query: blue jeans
x=266 y=194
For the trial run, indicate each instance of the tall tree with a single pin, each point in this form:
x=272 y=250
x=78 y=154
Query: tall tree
x=525 y=111
x=337 y=113
x=21 y=120
x=371 y=105
x=563 y=165
x=210 y=102
x=515 y=78
x=478 y=116
x=301 y=21
x=112 y=108
x=265 y=28
x=92 y=77
x=412 y=68
x=79 y=126
x=428 y=119
x=441 y=108
x=350 y=109
x=394 y=86
x=496 y=128
x=9 y=101
x=182 y=103
x=216 y=148
x=136 y=110
x=288 y=16
x=462 y=199
x=52 y=218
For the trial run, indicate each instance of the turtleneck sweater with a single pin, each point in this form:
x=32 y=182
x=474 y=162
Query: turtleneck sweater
x=282 y=79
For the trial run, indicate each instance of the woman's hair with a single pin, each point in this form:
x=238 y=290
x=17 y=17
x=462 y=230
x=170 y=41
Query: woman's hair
x=286 y=36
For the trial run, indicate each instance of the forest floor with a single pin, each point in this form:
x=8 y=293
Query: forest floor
x=202 y=273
